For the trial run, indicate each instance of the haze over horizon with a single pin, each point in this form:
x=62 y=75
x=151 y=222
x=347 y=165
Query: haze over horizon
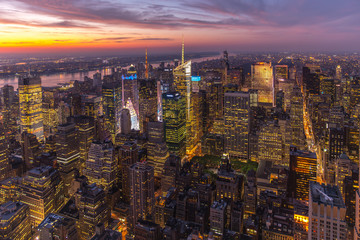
x=109 y=26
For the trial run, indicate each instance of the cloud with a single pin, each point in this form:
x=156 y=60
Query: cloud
x=155 y=39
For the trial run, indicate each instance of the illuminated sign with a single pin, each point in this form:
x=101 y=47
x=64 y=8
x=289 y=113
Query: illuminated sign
x=131 y=77
x=195 y=78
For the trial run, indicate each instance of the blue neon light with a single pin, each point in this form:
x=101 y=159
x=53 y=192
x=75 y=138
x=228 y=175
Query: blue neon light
x=195 y=78
x=131 y=77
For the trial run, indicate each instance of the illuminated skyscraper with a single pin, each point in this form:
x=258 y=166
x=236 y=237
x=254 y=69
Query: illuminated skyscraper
x=101 y=167
x=67 y=153
x=237 y=124
x=91 y=106
x=270 y=144
x=5 y=167
x=15 y=221
x=43 y=190
x=183 y=85
x=281 y=72
x=147 y=102
x=343 y=168
x=338 y=74
x=112 y=105
x=336 y=145
x=174 y=117
x=142 y=198
x=326 y=213
x=263 y=81
x=157 y=149
x=303 y=167
x=93 y=209
x=357 y=215
x=30 y=100
x=10 y=110
x=128 y=155
x=297 y=119
x=86 y=131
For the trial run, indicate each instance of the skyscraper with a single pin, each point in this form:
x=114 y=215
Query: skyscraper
x=147 y=102
x=93 y=209
x=112 y=105
x=86 y=132
x=43 y=190
x=30 y=148
x=15 y=221
x=30 y=100
x=101 y=167
x=128 y=155
x=303 y=168
x=157 y=149
x=311 y=78
x=125 y=121
x=67 y=153
x=183 y=85
x=237 y=124
x=263 y=81
x=297 y=119
x=142 y=198
x=5 y=167
x=326 y=213
x=56 y=226
x=174 y=117
x=270 y=143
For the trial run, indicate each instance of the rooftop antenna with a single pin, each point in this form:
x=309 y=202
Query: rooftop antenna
x=146 y=65
x=182 y=51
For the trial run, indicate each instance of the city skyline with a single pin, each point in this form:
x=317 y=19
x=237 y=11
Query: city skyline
x=118 y=27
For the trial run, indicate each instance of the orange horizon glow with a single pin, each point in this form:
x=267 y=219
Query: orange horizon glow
x=75 y=25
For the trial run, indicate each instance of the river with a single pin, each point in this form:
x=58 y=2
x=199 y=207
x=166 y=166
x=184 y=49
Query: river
x=51 y=80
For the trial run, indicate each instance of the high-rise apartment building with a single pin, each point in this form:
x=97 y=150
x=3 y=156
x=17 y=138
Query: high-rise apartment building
x=43 y=190
x=237 y=124
x=174 y=117
x=142 y=198
x=326 y=213
x=67 y=153
x=30 y=100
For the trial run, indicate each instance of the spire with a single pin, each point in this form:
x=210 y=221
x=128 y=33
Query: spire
x=182 y=51
x=146 y=65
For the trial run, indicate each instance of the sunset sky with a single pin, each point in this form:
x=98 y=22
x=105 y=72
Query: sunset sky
x=104 y=26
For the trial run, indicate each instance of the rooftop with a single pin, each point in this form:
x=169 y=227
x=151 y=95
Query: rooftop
x=54 y=220
x=9 y=209
x=326 y=194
